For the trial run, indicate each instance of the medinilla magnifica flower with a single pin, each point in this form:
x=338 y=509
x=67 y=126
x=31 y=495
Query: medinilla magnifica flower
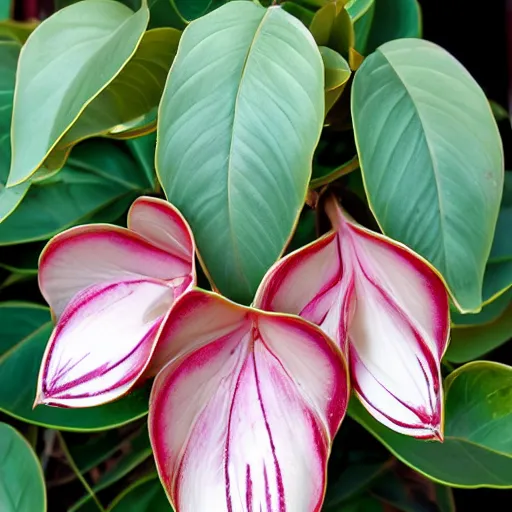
x=242 y=418
x=109 y=289
x=385 y=308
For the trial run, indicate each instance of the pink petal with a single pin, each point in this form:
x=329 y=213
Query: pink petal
x=160 y=223
x=95 y=254
x=245 y=421
x=394 y=308
x=102 y=343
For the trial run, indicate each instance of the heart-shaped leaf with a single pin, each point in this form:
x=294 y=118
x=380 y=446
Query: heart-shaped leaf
x=66 y=62
x=240 y=117
x=433 y=161
x=22 y=482
x=24 y=332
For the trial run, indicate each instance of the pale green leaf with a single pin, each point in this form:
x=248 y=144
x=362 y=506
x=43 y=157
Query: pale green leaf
x=432 y=161
x=239 y=120
x=66 y=62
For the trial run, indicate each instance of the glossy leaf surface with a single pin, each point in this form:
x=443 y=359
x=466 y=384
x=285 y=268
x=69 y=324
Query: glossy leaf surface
x=24 y=332
x=66 y=62
x=234 y=143
x=433 y=164
x=22 y=487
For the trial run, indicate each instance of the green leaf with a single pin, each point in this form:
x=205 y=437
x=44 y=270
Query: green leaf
x=135 y=92
x=500 y=113
x=337 y=73
x=98 y=175
x=143 y=151
x=9 y=197
x=24 y=332
x=457 y=462
x=5 y=9
x=489 y=313
x=361 y=13
x=479 y=405
x=146 y=495
x=235 y=144
x=66 y=62
x=498 y=273
x=393 y=19
x=468 y=343
x=191 y=9
x=301 y=13
x=432 y=162
x=22 y=486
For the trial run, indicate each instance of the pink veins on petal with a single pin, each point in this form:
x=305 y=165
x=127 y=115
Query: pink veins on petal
x=384 y=307
x=110 y=289
x=244 y=421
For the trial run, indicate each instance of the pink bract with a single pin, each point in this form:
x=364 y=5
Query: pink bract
x=244 y=415
x=384 y=306
x=110 y=288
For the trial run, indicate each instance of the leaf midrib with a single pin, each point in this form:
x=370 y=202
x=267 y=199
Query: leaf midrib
x=236 y=249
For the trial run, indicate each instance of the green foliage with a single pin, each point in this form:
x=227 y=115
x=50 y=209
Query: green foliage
x=21 y=479
x=245 y=116
x=445 y=205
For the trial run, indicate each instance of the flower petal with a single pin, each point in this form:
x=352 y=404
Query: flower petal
x=102 y=343
x=160 y=223
x=245 y=421
x=315 y=283
x=94 y=254
x=394 y=306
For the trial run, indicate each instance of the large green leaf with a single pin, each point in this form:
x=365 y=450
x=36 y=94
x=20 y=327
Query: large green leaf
x=98 y=174
x=432 y=161
x=145 y=495
x=468 y=343
x=21 y=478
x=479 y=403
x=134 y=93
x=24 y=332
x=459 y=461
x=393 y=19
x=239 y=120
x=66 y=62
x=9 y=197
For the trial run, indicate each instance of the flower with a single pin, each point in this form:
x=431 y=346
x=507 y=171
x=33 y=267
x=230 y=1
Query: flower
x=243 y=416
x=110 y=288
x=384 y=306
